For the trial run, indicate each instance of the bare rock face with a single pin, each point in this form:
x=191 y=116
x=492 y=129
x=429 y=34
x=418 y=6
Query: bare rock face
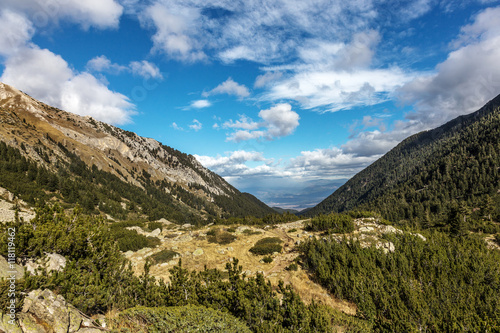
x=51 y=310
x=46 y=312
x=51 y=262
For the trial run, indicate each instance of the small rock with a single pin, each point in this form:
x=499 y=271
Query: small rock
x=198 y=252
x=155 y=233
x=185 y=238
x=230 y=249
x=186 y=226
x=366 y=229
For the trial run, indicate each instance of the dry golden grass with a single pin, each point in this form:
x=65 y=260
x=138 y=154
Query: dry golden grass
x=216 y=256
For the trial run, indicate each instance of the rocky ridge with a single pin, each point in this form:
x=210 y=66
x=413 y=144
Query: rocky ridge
x=50 y=137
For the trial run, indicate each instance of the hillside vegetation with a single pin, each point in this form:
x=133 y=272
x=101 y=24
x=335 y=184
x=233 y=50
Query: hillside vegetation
x=433 y=176
x=98 y=279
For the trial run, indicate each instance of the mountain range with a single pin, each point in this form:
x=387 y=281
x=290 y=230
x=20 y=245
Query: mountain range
x=429 y=174
x=50 y=154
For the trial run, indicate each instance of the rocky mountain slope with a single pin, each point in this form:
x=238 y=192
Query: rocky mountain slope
x=431 y=173
x=58 y=142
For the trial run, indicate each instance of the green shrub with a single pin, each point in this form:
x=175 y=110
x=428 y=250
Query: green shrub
x=269 y=240
x=126 y=224
x=178 y=319
x=220 y=237
x=250 y=232
x=357 y=214
x=337 y=223
x=497 y=239
x=231 y=230
x=292 y=230
x=163 y=256
x=267 y=260
x=292 y=267
x=155 y=225
x=267 y=245
x=130 y=240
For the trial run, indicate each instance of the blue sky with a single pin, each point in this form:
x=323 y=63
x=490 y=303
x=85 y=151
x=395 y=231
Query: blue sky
x=286 y=99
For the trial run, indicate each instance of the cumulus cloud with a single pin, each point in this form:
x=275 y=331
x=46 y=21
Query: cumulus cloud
x=280 y=120
x=92 y=13
x=233 y=163
x=243 y=123
x=85 y=95
x=371 y=143
x=32 y=68
x=277 y=121
x=329 y=163
x=196 y=125
x=465 y=81
x=229 y=87
x=47 y=76
x=17 y=30
x=250 y=168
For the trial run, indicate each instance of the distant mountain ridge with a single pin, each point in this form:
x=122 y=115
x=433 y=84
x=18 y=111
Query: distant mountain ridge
x=71 y=147
x=429 y=172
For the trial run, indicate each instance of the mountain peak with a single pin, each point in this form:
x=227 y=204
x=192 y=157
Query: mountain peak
x=54 y=138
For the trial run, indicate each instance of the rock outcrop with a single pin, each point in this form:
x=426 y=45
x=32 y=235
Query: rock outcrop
x=45 y=312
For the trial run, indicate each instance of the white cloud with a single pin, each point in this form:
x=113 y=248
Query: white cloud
x=145 y=69
x=249 y=168
x=32 y=68
x=243 y=135
x=266 y=79
x=91 y=13
x=174 y=27
x=233 y=164
x=339 y=90
x=85 y=95
x=277 y=121
x=250 y=30
x=196 y=126
x=103 y=64
x=371 y=143
x=17 y=31
x=142 y=68
x=280 y=120
x=229 y=87
x=243 y=123
x=200 y=104
x=48 y=77
x=176 y=127
x=329 y=163
x=465 y=81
